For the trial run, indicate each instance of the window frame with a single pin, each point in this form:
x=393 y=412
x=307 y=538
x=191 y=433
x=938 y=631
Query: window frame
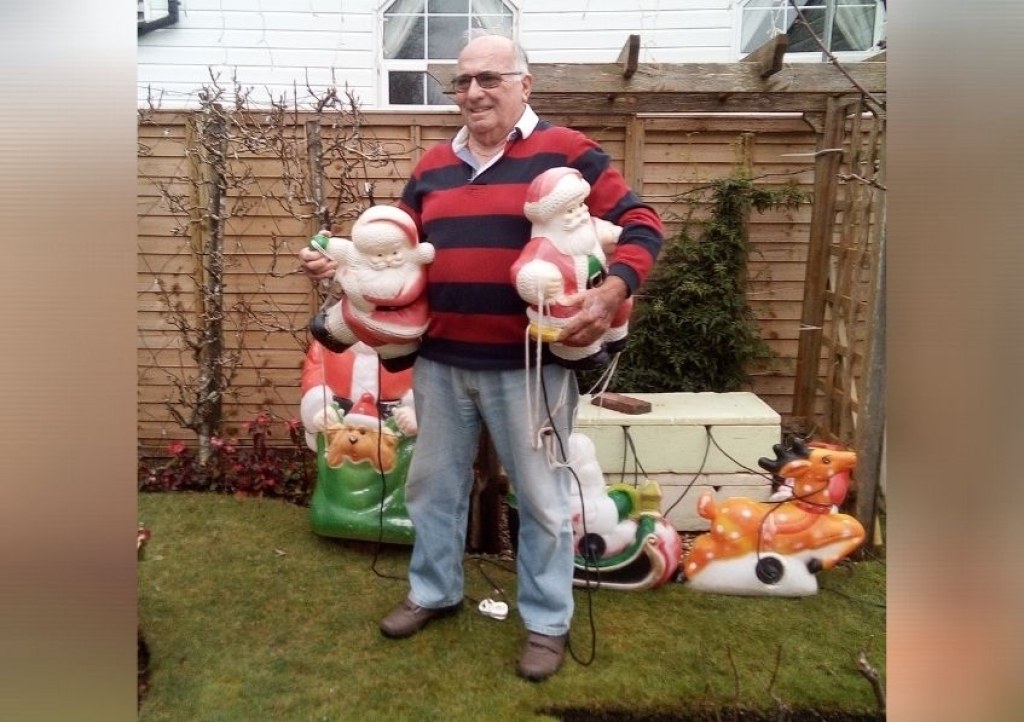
x=386 y=66
x=817 y=55
x=150 y=10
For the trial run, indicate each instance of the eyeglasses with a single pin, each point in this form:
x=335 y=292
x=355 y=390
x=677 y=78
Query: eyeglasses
x=486 y=80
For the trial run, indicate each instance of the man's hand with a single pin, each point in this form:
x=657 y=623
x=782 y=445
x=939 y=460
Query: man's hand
x=316 y=264
x=597 y=307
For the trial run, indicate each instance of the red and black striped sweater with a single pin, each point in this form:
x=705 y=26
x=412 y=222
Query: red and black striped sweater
x=478 y=229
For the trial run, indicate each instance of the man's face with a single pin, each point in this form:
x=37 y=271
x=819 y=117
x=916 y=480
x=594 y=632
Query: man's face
x=491 y=113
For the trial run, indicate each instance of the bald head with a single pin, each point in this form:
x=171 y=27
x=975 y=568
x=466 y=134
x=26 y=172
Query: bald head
x=491 y=113
x=498 y=44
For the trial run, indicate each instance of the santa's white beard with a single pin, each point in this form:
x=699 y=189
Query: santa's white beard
x=385 y=283
x=575 y=241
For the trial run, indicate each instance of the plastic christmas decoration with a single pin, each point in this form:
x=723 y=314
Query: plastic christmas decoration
x=360 y=420
x=566 y=254
x=622 y=541
x=382 y=278
x=778 y=548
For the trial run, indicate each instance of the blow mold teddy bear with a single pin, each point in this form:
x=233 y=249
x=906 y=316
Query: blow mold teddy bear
x=361 y=422
x=332 y=383
x=382 y=276
x=566 y=254
x=362 y=435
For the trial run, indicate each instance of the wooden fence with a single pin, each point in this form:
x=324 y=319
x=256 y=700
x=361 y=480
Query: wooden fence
x=273 y=205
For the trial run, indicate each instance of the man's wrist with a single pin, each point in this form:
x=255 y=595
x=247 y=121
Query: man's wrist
x=618 y=286
x=626 y=275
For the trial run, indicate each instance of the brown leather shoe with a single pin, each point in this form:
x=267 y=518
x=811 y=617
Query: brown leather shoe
x=541 y=656
x=408 y=618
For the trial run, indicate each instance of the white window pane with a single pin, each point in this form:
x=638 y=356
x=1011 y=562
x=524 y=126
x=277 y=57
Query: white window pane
x=854 y=28
x=761 y=25
x=403 y=37
x=421 y=30
x=801 y=41
x=405 y=88
x=406 y=6
x=448 y=6
x=446 y=36
x=490 y=7
x=496 y=24
x=435 y=94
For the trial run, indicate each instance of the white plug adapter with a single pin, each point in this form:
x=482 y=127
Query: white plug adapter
x=493 y=609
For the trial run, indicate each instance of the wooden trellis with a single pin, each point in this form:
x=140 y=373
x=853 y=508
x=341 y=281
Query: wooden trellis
x=841 y=278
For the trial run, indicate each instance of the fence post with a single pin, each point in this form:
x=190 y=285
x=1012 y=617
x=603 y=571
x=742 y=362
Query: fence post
x=871 y=422
x=634 y=161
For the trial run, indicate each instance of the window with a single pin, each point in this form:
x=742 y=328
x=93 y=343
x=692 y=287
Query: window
x=844 y=26
x=150 y=10
x=416 y=32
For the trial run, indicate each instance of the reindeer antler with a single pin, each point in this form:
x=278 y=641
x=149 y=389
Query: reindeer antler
x=783 y=456
x=801 y=448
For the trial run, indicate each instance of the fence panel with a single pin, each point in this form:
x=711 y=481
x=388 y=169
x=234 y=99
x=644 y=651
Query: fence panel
x=271 y=208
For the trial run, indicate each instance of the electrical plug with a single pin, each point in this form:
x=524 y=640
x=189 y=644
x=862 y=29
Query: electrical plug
x=493 y=609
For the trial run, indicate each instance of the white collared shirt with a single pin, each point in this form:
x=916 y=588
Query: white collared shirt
x=523 y=128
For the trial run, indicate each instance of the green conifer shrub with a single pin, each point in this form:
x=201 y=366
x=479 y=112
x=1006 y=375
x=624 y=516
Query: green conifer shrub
x=692 y=329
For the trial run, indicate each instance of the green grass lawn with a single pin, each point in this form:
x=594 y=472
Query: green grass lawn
x=248 y=615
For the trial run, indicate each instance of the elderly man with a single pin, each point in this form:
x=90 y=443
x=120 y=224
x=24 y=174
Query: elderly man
x=467 y=197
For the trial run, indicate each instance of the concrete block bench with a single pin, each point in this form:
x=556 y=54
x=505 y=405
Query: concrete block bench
x=687 y=442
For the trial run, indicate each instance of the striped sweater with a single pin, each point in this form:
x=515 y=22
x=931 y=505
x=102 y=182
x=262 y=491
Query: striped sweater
x=478 y=229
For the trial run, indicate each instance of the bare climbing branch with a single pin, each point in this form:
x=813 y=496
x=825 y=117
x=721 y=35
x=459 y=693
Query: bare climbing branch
x=835 y=61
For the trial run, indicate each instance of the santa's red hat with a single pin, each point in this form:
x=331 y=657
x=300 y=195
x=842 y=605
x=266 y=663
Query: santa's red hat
x=553 y=191
x=383 y=222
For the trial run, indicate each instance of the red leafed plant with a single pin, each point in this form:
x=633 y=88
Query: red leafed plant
x=250 y=468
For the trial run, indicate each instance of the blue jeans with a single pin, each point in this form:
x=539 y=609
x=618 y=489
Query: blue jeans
x=451 y=403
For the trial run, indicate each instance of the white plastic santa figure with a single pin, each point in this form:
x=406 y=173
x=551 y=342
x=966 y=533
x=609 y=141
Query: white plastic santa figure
x=600 y=528
x=383 y=280
x=566 y=254
x=332 y=383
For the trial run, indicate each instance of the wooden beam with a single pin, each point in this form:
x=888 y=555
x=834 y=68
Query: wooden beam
x=769 y=56
x=622 y=403
x=816 y=121
x=634 y=161
x=705 y=78
x=662 y=87
x=871 y=423
x=727 y=78
x=629 y=55
x=584 y=103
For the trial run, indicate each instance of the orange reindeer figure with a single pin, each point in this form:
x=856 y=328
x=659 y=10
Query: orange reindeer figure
x=766 y=548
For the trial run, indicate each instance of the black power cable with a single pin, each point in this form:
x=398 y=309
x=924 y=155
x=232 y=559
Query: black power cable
x=383 y=482
x=563 y=458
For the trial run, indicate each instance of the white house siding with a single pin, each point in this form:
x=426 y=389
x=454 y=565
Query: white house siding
x=267 y=45
x=272 y=46
x=587 y=31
